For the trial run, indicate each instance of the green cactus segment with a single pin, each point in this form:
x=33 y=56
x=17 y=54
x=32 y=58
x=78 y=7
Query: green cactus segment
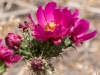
x=67 y=42
x=2 y=67
x=31 y=49
x=37 y=48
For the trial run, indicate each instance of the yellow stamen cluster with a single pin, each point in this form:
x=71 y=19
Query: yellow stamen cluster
x=50 y=27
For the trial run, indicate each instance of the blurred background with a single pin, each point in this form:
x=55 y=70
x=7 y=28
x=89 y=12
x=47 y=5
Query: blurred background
x=84 y=61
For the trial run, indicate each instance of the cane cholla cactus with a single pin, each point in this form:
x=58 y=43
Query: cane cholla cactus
x=57 y=28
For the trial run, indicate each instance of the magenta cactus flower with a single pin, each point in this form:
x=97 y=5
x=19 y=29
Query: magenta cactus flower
x=13 y=40
x=79 y=33
x=7 y=55
x=54 y=23
x=37 y=64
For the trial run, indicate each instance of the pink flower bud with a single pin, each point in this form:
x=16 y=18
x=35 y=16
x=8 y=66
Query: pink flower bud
x=13 y=40
x=37 y=64
x=7 y=55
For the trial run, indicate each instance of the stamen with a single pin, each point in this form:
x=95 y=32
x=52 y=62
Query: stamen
x=50 y=27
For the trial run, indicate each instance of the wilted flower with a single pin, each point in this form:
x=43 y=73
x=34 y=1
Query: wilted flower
x=53 y=23
x=13 y=40
x=27 y=25
x=36 y=64
x=79 y=33
x=7 y=55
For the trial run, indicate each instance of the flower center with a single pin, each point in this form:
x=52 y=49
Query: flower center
x=50 y=27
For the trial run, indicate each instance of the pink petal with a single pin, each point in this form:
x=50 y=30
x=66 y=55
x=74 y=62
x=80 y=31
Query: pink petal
x=36 y=35
x=49 y=11
x=30 y=17
x=50 y=34
x=88 y=36
x=66 y=32
x=39 y=33
x=57 y=41
x=40 y=16
x=0 y=41
x=76 y=13
x=66 y=17
x=77 y=42
x=5 y=52
x=81 y=28
x=73 y=22
x=59 y=31
x=22 y=26
x=11 y=59
x=55 y=33
x=26 y=23
x=57 y=16
x=15 y=58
